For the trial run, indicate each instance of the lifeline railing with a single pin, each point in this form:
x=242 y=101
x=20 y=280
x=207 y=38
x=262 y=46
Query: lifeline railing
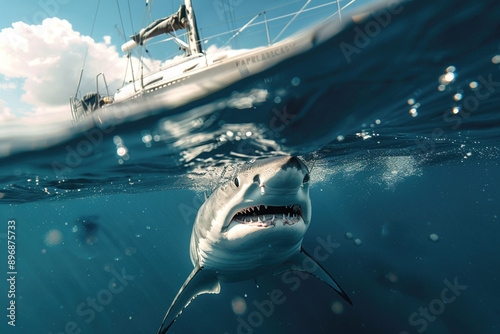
x=266 y=21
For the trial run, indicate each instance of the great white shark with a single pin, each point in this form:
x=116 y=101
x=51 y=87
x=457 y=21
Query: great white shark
x=251 y=225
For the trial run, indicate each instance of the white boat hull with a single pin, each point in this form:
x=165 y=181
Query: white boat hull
x=192 y=79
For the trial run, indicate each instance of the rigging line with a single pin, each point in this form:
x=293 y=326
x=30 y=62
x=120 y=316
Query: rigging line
x=280 y=17
x=303 y=17
x=290 y=22
x=348 y=4
x=87 y=51
x=304 y=11
x=125 y=75
x=167 y=39
x=120 y=14
x=130 y=16
x=141 y=54
x=233 y=20
x=247 y=16
x=336 y=12
x=243 y=28
x=340 y=12
x=144 y=15
x=120 y=33
x=225 y=6
x=150 y=6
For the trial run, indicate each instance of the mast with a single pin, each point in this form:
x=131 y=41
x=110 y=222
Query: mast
x=192 y=30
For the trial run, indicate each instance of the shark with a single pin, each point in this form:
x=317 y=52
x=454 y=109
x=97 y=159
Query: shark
x=251 y=225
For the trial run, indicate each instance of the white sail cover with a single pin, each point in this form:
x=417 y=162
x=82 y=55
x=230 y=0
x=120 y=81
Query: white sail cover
x=162 y=26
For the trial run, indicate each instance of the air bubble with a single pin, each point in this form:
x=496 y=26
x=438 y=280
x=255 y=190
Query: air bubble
x=434 y=237
x=392 y=277
x=239 y=305
x=53 y=237
x=337 y=307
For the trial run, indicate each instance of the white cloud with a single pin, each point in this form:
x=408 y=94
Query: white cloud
x=5 y=113
x=7 y=85
x=49 y=58
x=213 y=49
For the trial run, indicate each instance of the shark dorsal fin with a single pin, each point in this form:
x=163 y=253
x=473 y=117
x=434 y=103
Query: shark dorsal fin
x=301 y=261
x=199 y=282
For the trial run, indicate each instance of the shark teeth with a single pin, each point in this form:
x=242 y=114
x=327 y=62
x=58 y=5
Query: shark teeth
x=269 y=216
x=269 y=220
x=266 y=209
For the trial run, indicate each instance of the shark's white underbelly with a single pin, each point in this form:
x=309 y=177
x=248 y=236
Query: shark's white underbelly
x=236 y=266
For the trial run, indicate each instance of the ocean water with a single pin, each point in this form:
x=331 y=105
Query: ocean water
x=397 y=116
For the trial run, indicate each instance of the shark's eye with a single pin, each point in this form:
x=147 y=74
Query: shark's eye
x=256 y=179
x=237 y=181
x=306 y=179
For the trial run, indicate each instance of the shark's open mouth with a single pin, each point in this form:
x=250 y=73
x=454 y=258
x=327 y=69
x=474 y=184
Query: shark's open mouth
x=267 y=216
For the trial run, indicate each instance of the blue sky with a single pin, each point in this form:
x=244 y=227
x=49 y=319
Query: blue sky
x=40 y=59
x=81 y=13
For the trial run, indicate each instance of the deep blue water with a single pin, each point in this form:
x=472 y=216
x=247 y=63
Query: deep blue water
x=400 y=125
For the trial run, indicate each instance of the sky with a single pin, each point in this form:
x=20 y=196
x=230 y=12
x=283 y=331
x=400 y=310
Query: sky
x=43 y=44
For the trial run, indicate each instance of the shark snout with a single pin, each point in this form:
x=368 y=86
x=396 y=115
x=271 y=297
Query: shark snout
x=293 y=162
x=290 y=175
x=284 y=190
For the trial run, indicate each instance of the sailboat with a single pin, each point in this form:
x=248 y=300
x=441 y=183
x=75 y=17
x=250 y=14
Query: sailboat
x=184 y=79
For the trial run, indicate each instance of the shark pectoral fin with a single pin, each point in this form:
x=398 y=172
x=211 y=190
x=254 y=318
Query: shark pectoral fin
x=199 y=281
x=302 y=261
